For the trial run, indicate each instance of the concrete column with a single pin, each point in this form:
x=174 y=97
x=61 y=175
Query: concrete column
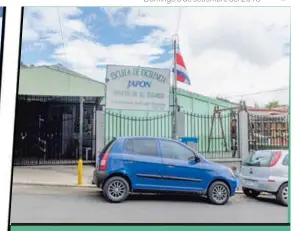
x=100 y=133
x=243 y=135
x=180 y=124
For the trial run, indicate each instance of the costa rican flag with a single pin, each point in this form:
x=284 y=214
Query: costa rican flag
x=182 y=75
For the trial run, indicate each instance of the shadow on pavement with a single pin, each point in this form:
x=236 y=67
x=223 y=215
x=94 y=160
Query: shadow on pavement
x=269 y=199
x=266 y=199
x=166 y=197
x=160 y=198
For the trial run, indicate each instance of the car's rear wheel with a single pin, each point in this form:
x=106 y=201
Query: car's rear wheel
x=282 y=195
x=116 y=189
x=250 y=192
x=218 y=193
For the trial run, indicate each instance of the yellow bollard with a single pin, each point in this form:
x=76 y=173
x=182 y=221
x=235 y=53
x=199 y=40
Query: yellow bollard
x=80 y=172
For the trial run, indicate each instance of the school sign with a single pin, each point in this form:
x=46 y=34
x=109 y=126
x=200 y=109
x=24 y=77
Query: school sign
x=137 y=88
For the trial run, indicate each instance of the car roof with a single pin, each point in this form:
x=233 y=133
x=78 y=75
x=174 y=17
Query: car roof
x=146 y=137
x=273 y=150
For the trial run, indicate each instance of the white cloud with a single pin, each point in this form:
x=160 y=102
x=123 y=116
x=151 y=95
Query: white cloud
x=228 y=51
x=115 y=15
x=85 y=55
x=29 y=34
x=44 y=63
x=52 y=24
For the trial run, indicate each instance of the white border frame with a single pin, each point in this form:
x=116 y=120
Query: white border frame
x=9 y=81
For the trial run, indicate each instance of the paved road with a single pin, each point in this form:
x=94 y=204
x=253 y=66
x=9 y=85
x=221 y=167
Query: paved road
x=86 y=205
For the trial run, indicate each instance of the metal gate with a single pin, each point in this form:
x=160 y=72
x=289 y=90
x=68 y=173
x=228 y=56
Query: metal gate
x=217 y=133
x=268 y=132
x=46 y=133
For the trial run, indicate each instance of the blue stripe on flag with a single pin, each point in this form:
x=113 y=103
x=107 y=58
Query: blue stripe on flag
x=184 y=75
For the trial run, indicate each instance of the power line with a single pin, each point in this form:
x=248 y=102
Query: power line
x=62 y=37
x=259 y=93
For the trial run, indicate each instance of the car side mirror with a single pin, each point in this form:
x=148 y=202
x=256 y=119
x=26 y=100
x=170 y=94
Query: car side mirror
x=197 y=159
x=194 y=158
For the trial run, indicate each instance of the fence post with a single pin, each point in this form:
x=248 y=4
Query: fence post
x=81 y=123
x=99 y=133
x=180 y=124
x=243 y=135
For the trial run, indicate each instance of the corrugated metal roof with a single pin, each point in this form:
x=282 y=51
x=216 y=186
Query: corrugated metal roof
x=59 y=81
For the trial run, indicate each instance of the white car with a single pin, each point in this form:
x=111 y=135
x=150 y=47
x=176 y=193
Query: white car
x=266 y=171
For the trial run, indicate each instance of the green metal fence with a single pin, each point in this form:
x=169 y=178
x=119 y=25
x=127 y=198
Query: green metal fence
x=117 y=124
x=214 y=138
x=213 y=133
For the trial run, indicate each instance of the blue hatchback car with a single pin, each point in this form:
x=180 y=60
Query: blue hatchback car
x=152 y=164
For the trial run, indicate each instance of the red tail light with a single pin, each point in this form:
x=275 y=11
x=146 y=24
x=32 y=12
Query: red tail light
x=104 y=160
x=275 y=159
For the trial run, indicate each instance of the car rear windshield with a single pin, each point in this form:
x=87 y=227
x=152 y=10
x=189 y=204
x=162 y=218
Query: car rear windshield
x=108 y=146
x=260 y=159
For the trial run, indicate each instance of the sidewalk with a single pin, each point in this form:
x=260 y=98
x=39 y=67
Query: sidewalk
x=52 y=175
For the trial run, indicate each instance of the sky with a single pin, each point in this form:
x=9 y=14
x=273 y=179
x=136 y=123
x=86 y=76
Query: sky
x=234 y=53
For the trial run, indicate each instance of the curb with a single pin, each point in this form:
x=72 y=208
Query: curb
x=56 y=185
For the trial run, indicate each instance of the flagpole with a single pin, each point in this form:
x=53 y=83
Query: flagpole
x=175 y=100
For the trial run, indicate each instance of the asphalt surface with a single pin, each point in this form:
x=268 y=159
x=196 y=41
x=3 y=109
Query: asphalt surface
x=38 y=204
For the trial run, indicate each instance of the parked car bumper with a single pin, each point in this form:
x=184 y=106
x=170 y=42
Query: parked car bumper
x=99 y=177
x=261 y=185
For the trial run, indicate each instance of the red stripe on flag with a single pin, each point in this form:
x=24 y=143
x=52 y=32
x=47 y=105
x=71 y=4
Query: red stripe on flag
x=180 y=78
x=179 y=60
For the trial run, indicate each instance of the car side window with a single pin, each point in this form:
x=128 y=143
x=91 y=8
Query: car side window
x=129 y=146
x=174 y=150
x=145 y=147
x=286 y=160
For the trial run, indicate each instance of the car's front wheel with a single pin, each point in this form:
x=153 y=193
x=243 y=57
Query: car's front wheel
x=116 y=189
x=250 y=192
x=218 y=193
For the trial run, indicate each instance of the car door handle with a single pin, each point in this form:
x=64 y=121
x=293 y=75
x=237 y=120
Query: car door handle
x=171 y=165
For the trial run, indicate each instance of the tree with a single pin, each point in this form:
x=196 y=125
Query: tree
x=273 y=104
